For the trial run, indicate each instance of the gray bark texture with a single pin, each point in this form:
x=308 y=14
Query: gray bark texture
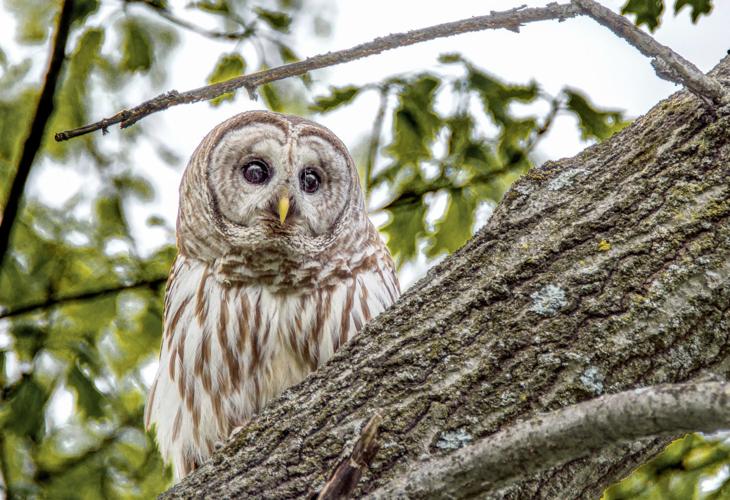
x=596 y=274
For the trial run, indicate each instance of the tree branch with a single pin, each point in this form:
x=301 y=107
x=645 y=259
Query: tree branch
x=346 y=475
x=93 y=294
x=374 y=143
x=511 y=20
x=567 y=434
x=668 y=64
x=164 y=12
x=43 y=111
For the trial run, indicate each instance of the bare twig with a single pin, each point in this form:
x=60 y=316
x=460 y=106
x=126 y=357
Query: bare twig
x=167 y=14
x=346 y=475
x=511 y=20
x=567 y=434
x=90 y=295
x=375 y=140
x=668 y=64
x=43 y=111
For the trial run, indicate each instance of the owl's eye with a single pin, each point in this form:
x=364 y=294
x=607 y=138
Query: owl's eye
x=309 y=180
x=256 y=172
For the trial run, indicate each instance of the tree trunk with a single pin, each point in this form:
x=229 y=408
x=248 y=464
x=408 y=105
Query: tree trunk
x=596 y=274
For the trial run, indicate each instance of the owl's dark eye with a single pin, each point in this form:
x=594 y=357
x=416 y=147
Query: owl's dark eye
x=309 y=180
x=256 y=172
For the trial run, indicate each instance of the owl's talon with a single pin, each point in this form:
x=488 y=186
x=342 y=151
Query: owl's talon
x=218 y=445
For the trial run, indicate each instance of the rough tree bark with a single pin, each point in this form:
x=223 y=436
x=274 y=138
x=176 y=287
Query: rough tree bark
x=596 y=274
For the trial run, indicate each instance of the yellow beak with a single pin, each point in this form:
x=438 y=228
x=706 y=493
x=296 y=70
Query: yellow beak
x=283 y=206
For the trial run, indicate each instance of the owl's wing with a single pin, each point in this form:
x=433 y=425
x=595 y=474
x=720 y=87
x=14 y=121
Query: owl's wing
x=348 y=306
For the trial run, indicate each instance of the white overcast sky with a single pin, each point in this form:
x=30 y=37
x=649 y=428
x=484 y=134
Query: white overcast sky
x=578 y=52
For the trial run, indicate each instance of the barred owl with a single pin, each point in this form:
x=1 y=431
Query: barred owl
x=278 y=265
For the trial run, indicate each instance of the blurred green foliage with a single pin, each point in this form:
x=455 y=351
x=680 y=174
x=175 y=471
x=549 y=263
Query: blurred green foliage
x=81 y=306
x=691 y=468
x=484 y=143
x=649 y=12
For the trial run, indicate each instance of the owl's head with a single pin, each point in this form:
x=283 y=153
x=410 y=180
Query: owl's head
x=268 y=182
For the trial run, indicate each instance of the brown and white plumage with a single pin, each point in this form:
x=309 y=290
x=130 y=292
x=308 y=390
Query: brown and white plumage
x=271 y=277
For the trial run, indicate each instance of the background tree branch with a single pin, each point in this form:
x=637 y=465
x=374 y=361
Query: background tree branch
x=43 y=112
x=511 y=19
x=52 y=302
x=668 y=64
x=567 y=434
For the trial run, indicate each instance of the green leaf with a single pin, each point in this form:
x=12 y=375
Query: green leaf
x=227 y=67
x=450 y=58
x=29 y=339
x=455 y=227
x=139 y=187
x=699 y=7
x=279 y=21
x=34 y=17
x=88 y=397
x=13 y=112
x=415 y=123
x=647 y=12
x=109 y=216
x=594 y=123
x=213 y=7
x=136 y=334
x=137 y=47
x=405 y=227
x=83 y=9
x=155 y=221
x=338 y=96
x=460 y=132
x=287 y=54
x=271 y=97
x=26 y=409
x=497 y=96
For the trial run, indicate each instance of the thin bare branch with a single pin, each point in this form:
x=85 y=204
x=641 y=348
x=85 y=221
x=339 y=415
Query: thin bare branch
x=567 y=434
x=668 y=64
x=43 y=112
x=165 y=13
x=374 y=143
x=90 y=295
x=511 y=20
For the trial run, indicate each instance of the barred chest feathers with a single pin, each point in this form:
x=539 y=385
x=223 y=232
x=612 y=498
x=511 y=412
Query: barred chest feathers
x=228 y=350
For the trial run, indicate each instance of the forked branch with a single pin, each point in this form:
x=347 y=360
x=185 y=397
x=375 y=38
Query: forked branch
x=567 y=434
x=668 y=64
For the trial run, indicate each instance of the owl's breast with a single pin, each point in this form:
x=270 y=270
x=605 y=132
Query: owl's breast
x=228 y=350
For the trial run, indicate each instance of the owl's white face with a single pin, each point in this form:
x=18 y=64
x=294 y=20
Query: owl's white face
x=266 y=182
x=257 y=167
